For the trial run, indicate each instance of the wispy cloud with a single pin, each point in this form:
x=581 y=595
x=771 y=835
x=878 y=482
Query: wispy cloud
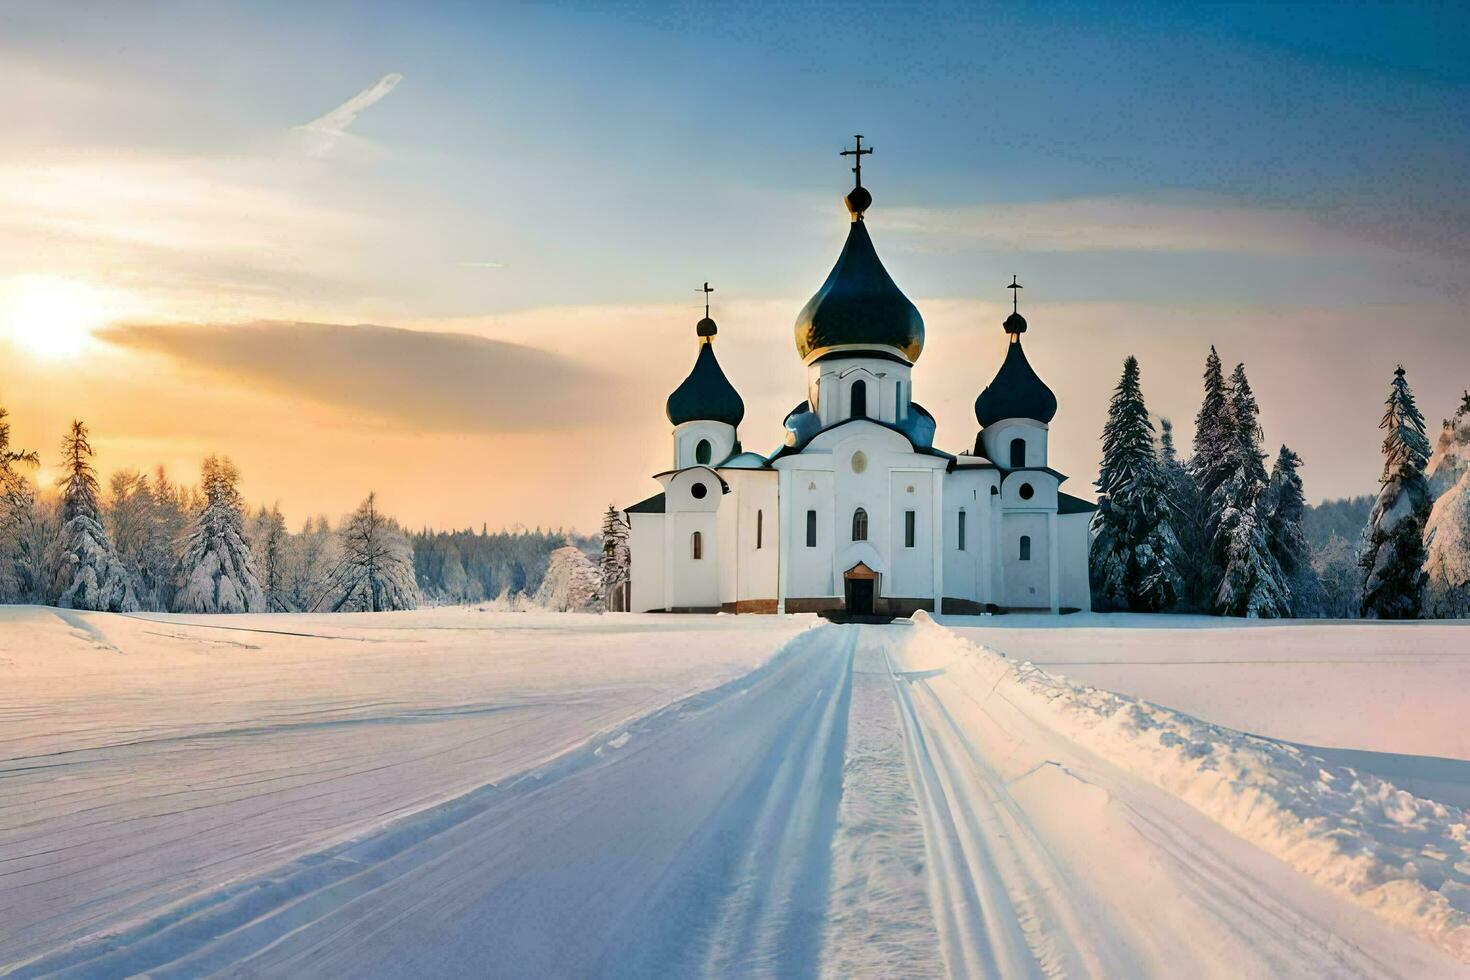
x=324 y=132
x=436 y=382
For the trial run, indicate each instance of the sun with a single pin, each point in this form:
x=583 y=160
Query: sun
x=49 y=317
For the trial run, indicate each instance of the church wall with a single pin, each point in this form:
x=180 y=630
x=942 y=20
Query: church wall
x=721 y=437
x=695 y=582
x=1027 y=583
x=748 y=573
x=964 y=571
x=646 y=562
x=911 y=572
x=809 y=570
x=1075 y=541
x=831 y=381
x=997 y=441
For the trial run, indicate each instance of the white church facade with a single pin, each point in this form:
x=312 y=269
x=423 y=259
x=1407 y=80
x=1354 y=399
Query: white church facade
x=858 y=511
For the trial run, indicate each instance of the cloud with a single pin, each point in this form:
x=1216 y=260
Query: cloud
x=435 y=382
x=326 y=130
x=1172 y=223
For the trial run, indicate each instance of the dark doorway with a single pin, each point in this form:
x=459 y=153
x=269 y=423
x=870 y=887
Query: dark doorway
x=860 y=597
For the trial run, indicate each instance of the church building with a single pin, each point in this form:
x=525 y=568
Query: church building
x=857 y=511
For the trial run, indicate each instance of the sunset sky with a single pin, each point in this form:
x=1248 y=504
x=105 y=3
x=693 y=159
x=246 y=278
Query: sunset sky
x=451 y=252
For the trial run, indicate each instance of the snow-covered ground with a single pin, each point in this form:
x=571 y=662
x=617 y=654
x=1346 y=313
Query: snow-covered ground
x=450 y=792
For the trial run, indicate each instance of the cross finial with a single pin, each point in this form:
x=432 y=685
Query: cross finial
x=1014 y=287
x=858 y=152
x=706 y=289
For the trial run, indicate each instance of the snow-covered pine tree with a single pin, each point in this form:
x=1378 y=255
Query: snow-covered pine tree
x=572 y=582
x=1134 y=550
x=170 y=522
x=130 y=523
x=1336 y=567
x=88 y=573
x=1182 y=496
x=1251 y=581
x=374 y=571
x=1210 y=465
x=268 y=545
x=616 y=559
x=216 y=570
x=310 y=559
x=1393 y=556
x=17 y=517
x=1285 y=504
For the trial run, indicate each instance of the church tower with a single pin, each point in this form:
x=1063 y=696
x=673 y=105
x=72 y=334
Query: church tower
x=705 y=409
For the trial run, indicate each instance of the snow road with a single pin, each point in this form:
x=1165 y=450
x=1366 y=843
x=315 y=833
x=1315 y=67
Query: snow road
x=868 y=802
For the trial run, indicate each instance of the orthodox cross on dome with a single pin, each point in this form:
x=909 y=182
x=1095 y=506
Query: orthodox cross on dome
x=706 y=289
x=1015 y=288
x=705 y=329
x=858 y=152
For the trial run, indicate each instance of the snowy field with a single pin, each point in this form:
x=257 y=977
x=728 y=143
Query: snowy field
x=451 y=792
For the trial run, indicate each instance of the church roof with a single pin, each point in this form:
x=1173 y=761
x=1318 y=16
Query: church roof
x=859 y=306
x=706 y=394
x=653 y=505
x=802 y=426
x=1016 y=391
x=1068 y=504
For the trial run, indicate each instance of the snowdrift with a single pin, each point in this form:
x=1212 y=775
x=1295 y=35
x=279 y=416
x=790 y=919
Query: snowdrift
x=1405 y=858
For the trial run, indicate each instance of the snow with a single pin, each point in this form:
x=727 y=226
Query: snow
x=456 y=792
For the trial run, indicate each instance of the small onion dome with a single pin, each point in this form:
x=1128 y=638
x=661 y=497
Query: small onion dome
x=858 y=200
x=1015 y=324
x=706 y=394
x=859 y=308
x=1016 y=392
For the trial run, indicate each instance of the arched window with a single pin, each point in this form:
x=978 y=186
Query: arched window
x=696 y=545
x=702 y=452
x=962 y=531
x=1025 y=547
x=860 y=525
x=1018 y=453
x=760 y=520
x=859 y=399
x=811 y=529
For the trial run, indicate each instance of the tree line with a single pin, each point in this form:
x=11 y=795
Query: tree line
x=1221 y=533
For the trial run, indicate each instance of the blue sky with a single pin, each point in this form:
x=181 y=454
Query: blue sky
x=1268 y=178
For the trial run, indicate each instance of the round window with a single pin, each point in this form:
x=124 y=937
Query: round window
x=859 y=462
x=698 y=490
x=1026 y=491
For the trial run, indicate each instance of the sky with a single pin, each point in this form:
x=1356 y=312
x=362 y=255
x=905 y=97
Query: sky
x=451 y=252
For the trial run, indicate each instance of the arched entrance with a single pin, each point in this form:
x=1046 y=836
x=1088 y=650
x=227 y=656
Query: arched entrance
x=860 y=590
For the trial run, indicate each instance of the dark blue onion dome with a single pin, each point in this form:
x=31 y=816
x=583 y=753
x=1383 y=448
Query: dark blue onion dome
x=1016 y=392
x=859 y=306
x=706 y=394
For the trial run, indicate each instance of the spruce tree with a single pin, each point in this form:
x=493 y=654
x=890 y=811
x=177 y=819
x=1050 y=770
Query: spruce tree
x=615 y=560
x=17 y=517
x=1286 y=503
x=268 y=545
x=375 y=572
x=1251 y=581
x=1393 y=555
x=1134 y=550
x=1185 y=509
x=216 y=570
x=1210 y=466
x=88 y=573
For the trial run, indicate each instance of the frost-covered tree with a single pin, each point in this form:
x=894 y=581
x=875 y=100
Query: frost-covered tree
x=616 y=561
x=216 y=569
x=1447 y=550
x=374 y=571
x=1393 y=556
x=1251 y=581
x=1134 y=550
x=20 y=569
x=268 y=546
x=1182 y=497
x=572 y=582
x=1285 y=504
x=88 y=573
x=310 y=559
x=1210 y=465
x=1336 y=566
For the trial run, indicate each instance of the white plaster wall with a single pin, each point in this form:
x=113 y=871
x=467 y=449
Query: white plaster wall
x=830 y=381
x=1027 y=583
x=964 y=571
x=721 y=437
x=808 y=570
x=646 y=552
x=1043 y=491
x=1074 y=542
x=997 y=440
x=694 y=583
x=748 y=572
x=911 y=573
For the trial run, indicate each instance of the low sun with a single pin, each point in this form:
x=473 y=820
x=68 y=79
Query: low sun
x=49 y=317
